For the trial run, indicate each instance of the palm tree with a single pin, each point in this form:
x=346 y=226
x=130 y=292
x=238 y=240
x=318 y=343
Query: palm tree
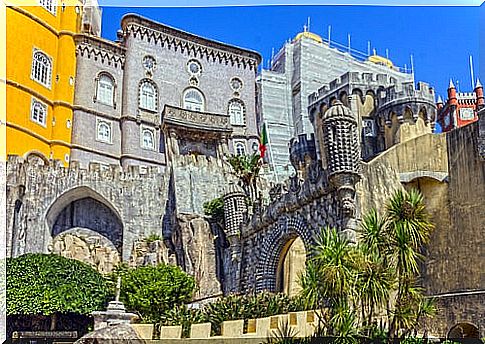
x=408 y=229
x=329 y=281
x=246 y=168
x=379 y=273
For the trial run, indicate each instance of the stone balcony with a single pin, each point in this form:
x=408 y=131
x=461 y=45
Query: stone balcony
x=178 y=118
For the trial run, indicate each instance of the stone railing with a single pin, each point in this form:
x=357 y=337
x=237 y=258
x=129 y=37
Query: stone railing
x=195 y=120
x=301 y=324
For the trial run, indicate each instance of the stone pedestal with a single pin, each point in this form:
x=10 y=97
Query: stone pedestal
x=115 y=314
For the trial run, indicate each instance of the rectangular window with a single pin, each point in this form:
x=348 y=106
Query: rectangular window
x=147 y=138
x=38 y=112
x=103 y=131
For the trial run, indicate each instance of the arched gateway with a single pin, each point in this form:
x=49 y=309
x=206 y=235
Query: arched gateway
x=274 y=250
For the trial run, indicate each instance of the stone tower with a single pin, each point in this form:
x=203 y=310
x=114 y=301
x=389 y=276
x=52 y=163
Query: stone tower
x=342 y=154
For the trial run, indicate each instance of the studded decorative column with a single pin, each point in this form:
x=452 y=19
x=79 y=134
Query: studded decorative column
x=342 y=148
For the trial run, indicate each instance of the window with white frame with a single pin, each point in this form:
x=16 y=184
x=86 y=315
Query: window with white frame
x=236 y=112
x=239 y=148
x=38 y=112
x=103 y=131
x=193 y=100
x=49 y=5
x=148 y=96
x=105 y=89
x=41 y=68
x=148 y=139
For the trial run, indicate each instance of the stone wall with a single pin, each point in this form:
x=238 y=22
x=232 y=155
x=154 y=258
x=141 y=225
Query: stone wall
x=103 y=216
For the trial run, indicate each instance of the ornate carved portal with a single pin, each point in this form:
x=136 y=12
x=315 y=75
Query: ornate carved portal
x=270 y=274
x=195 y=132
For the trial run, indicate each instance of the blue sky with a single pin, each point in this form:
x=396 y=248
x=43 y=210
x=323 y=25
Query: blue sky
x=441 y=38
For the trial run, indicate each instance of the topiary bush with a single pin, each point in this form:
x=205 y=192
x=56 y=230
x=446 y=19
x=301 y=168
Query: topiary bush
x=45 y=284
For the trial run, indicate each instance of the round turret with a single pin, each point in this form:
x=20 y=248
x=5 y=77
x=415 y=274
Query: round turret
x=235 y=209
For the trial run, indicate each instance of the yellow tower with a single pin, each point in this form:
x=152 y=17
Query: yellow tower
x=41 y=69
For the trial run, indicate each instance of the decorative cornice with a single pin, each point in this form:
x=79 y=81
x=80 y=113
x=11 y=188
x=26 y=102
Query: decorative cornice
x=96 y=113
x=198 y=46
x=31 y=92
x=34 y=18
x=37 y=136
x=40 y=96
x=94 y=151
x=100 y=49
x=139 y=158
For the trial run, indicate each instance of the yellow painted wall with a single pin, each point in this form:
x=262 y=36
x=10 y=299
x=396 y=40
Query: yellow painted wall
x=30 y=27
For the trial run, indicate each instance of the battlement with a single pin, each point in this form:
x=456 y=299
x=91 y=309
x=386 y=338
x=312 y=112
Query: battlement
x=423 y=92
x=385 y=86
x=303 y=324
x=95 y=169
x=368 y=79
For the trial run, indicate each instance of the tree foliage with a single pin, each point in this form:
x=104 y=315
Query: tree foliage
x=152 y=291
x=246 y=168
x=45 y=284
x=380 y=273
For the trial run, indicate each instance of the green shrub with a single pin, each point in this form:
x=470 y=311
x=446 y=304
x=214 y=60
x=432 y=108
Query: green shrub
x=182 y=315
x=45 y=284
x=215 y=209
x=233 y=307
x=152 y=291
x=153 y=237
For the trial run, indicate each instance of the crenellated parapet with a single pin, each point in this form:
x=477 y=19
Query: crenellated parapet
x=388 y=111
x=99 y=49
x=406 y=99
x=185 y=42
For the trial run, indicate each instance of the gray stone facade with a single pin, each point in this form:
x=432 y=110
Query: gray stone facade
x=171 y=53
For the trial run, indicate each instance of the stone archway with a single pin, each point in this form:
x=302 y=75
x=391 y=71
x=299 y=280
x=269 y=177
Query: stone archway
x=463 y=330
x=85 y=208
x=275 y=246
x=83 y=225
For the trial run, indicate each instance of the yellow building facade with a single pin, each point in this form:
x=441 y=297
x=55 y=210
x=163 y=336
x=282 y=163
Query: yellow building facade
x=41 y=69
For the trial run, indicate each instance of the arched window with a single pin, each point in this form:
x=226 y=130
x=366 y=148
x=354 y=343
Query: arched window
x=49 y=5
x=38 y=112
x=148 y=96
x=193 y=100
x=148 y=139
x=41 y=68
x=236 y=112
x=103 y=131
x=239 y=148
x=105 y=89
